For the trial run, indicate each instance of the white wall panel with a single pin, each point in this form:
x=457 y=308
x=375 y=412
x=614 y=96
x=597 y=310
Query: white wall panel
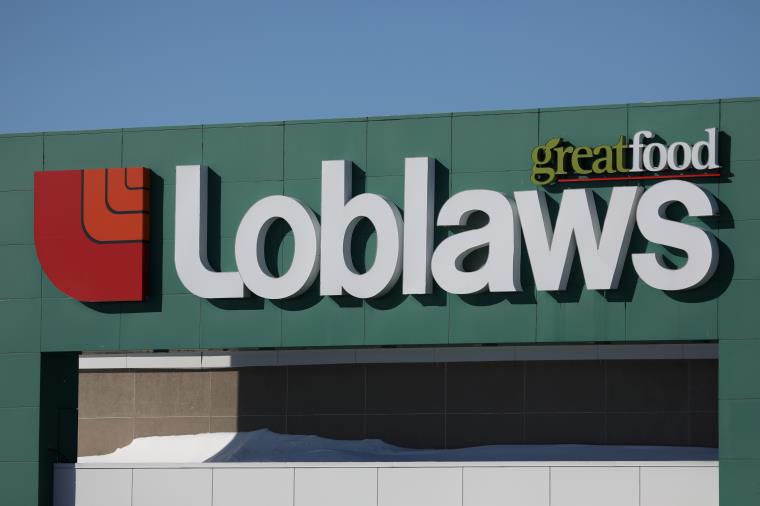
x=419 y=486
x=175 y=360
x=383 y=484
x=336 y=487
x=501 y=486
x=163 y=487
x=103 y=361
x=595 y=486
x=679 y=486
x=253 y=487
x=96 y=487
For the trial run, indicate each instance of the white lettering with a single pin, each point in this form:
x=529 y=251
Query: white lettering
x=601 y=251
x=501 y=272
x=699 y=245
x=340 y=215
x=711 y=145
x=250 y=243
x=409 y=242
x=419 y=190
x=190 y=241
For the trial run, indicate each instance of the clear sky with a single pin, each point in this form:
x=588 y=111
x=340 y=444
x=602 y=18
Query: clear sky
x=70 y=64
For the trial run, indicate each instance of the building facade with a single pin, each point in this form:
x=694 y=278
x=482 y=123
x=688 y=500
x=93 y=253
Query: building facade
x=166 y=244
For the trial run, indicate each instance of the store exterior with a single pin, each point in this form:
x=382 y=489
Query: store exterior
x=418 y=250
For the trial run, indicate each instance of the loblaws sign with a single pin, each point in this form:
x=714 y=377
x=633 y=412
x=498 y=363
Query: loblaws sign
x=405 y=242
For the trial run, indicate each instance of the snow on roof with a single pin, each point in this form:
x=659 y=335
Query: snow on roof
x=267 y=446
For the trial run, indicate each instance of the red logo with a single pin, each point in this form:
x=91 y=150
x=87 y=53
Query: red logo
x=91 y=231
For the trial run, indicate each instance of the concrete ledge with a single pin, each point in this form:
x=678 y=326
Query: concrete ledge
x=229 y=359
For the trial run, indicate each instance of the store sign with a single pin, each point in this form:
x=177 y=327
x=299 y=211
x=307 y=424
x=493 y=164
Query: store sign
x=558 y=161
x=405 y=243
x=91 y=229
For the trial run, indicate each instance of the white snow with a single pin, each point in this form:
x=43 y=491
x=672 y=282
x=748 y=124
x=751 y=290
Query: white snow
x=176 y=449
x=267 y=446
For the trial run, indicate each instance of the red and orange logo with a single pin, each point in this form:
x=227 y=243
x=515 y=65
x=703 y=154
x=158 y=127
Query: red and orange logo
x=91 y=231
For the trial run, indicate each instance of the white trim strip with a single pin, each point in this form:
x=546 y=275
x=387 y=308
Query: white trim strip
x=103 y=361
x=178 y=360
x=257 y=358
x=343 y=465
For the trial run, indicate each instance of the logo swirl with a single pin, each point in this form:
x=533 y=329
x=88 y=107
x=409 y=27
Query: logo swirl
x=91 y=231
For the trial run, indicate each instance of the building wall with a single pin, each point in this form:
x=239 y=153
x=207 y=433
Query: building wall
x=738 y=320
x=619 y=402
x=474 y=150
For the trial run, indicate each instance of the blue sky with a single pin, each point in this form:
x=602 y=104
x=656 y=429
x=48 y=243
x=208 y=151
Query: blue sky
x=68 y=65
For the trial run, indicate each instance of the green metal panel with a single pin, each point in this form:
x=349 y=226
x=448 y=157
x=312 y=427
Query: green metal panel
x=68 y=325
x=738 y=428
x=20 y=156
x=163 y=196
x=173 y=324
x=66 y=151
x=19 y=380
x=244 y=153
x=308 y=144
x=389 y=141
x=739 y=482
x=740 y=197
x=313 y=320
x=653 y=315
x=19 y=272
x=17 y=217
x=19 y=483
x=583 y=126
x=743 y=243
x=505 y=182
x=738 y=317
x=740 y=119
x=237 y=198
x=493 y=318
x=493 y=142
x=21 y=325
x=162 y=254
x=240 y=324
x=400 y=319
x=20 y=423
x=581 y=316
x=739 y=373
x=682 y=122
x=162 y=150
x=19 y=439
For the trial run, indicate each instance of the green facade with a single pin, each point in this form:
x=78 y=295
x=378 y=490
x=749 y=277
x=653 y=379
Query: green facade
x=489 y=150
